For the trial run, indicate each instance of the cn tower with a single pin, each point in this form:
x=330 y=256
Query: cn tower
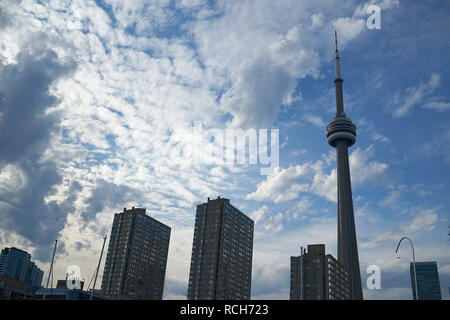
x=341 y=134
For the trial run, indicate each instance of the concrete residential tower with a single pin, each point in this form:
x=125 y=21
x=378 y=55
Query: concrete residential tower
x=16 y=263
x=135 y=266
x=221 y=263
x=318 y=276
x=341 y=134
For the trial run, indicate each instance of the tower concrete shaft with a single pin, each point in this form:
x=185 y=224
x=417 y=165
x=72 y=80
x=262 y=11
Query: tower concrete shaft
x=341 y=134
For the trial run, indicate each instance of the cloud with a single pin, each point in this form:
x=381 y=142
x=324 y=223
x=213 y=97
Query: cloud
x=423 y=221
x=436 y=146
x=365 y=126
x=391 y=199
x=26 y=126
x=267 y=221
x=275 y=223
x=286 y=184
x=279 y=186
x=303 y=207
x=314 y=120
x=259 y=59
x=259 y=214
x=348 y=28
x=317 y=20
x=134 y=92
x=107 y=195
x=437 y=105
x=25 y=99
x=363 y=170
x=413 y=96
x=5 y=19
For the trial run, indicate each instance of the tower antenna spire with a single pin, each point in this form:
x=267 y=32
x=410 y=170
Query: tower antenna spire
x=337 y=63
x=335 y=40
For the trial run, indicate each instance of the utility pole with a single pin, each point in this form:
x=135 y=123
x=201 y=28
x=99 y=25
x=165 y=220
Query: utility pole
x=51 y=270
x=98 y=267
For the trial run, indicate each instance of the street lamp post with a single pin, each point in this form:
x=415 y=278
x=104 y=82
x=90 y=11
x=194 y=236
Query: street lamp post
x=414 y=263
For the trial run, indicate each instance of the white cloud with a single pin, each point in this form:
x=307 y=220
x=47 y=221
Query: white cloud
x=437 y=105
x=283 y=184
x=348 y=28
x=362 y=170
x=302 y=207
x=13 y=179
x=314 y=120
x=275 y=223
x=438 y=145
x=317 y=20
x=259 y=214
x=260 y=58
x=413 y=96
x=368 y=127
x=279 y=186
x=391 y=199
x=423 y=221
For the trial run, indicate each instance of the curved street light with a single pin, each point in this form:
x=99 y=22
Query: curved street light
x=414 y=263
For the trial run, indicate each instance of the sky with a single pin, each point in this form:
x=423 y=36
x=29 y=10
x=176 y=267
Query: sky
x=98 y=101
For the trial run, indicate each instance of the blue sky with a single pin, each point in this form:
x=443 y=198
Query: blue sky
x=97 y=97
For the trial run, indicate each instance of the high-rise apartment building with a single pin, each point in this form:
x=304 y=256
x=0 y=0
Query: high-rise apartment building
x=136 y=261
x=34 y=275
x=222 y=249
x=16 y=263
x=318 y=276
x=428 y=283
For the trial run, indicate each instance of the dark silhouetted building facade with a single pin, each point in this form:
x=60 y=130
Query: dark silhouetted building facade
x=427 y=281
x=16 y=264
x=14 y=289
x=136 y=261
x=318 y=276
x=222 y=249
